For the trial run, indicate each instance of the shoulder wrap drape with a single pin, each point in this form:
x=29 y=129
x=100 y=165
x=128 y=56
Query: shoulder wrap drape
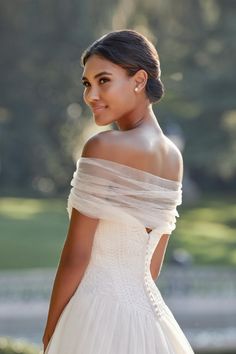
x=109 y=190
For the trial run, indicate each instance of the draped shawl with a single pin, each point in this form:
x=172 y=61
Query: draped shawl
x=110 y=190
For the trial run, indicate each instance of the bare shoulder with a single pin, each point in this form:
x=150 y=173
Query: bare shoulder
x=175 y=160
x=103 y=145
x=163 y=158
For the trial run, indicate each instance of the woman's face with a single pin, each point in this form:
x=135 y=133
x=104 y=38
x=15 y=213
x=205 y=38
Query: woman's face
x=109 y=91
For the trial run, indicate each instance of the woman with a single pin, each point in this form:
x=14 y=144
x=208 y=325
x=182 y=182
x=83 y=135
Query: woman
x=122 y=209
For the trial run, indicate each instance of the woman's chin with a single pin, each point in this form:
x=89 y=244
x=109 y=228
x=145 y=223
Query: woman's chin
x=100 y=121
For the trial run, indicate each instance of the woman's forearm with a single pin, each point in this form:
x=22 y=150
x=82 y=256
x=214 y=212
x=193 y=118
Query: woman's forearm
x=66 y=281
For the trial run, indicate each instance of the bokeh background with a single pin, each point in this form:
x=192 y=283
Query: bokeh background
x=44 y=124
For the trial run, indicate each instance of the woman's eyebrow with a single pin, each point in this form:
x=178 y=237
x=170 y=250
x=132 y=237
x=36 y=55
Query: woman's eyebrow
x=97 y=75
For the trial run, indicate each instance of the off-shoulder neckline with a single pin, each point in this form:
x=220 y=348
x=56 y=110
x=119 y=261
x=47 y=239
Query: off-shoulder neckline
x=171 y=181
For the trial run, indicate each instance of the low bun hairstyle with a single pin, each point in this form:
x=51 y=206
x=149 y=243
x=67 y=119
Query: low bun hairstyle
x=133 y=52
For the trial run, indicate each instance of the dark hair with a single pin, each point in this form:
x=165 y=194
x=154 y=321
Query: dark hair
x=132 y=51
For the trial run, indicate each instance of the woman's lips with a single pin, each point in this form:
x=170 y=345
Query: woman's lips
x=97 y=109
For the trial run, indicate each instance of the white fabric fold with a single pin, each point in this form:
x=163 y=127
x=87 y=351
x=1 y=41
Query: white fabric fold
x=110 y=190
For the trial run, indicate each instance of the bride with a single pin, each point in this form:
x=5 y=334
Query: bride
x=122 y=208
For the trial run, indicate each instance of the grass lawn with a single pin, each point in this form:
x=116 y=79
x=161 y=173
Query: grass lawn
x=32 y=231
x=208 y=230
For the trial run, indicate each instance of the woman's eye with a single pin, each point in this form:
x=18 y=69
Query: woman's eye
x=85 y=83
x=103 y=80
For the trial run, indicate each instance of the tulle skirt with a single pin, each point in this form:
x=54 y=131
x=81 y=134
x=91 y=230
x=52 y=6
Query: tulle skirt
x=98 y=325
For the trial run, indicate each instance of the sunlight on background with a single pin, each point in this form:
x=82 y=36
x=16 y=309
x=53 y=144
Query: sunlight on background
x=44 y=124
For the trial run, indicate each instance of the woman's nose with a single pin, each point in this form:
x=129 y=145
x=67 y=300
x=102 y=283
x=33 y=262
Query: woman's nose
x=92 y=95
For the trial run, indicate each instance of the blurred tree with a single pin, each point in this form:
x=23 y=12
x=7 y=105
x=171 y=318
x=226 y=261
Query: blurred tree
x=197 y=47
x=42 y=116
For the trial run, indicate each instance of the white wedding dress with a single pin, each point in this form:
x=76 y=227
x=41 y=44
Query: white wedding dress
x=117 y=308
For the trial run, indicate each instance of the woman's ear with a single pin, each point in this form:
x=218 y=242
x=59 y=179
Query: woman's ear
x=140 y=78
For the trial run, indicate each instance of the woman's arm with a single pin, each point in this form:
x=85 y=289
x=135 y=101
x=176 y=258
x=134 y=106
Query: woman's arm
x=159 y=253
x=73 y=263
x=76 y=252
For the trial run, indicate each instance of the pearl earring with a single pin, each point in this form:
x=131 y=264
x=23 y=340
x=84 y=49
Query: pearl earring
x=136 y=89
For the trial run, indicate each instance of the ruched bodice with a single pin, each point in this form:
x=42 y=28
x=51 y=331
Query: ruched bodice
x=109 y=190
x=117 y=266
x=120 y=266
x=117 y=307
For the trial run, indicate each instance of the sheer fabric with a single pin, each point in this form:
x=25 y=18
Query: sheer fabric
x=106 y=189
x=117 y=308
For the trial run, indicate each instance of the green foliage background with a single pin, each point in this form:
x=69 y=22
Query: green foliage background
x=33 y=232
x=42 y=114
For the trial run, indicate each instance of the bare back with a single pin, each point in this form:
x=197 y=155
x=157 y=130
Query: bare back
x=144 y=149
